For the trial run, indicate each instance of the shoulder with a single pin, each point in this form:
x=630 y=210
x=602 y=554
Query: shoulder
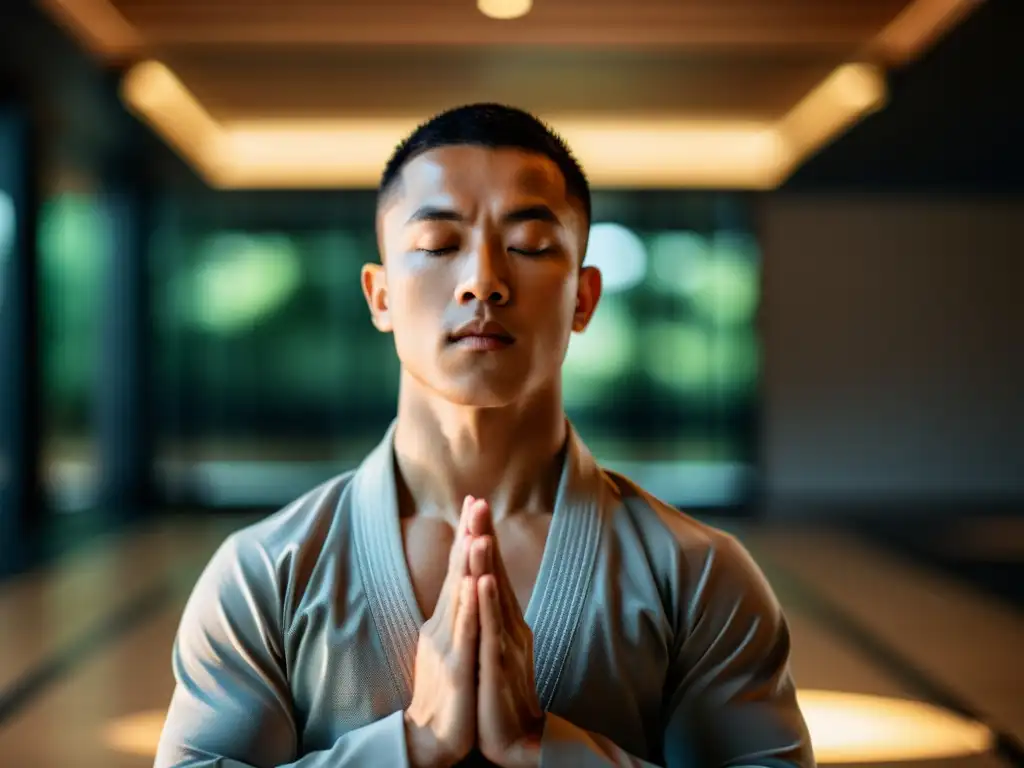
x=305 y=521
x=696 y=562
x=270 y=557
x=669 y=531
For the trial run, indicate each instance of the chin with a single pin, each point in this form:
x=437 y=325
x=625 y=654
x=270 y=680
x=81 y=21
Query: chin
x=480 y=394
x=486 y=382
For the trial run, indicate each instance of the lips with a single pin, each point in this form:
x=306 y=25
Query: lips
x=479 y=334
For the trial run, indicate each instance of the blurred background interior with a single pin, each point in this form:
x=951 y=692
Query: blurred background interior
x=809 y=214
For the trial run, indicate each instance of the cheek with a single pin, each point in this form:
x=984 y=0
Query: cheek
x=417 y=296
x=418 y=302
x=554 y=288
x=555 y=301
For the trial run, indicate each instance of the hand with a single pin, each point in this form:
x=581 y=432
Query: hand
x=510 y=720
x=440 y=723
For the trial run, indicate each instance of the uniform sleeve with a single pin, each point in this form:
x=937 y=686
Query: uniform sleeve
x=730 y=698
x=232 y=706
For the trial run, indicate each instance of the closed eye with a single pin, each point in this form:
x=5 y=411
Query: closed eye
x=453 y=249
x=528 y=252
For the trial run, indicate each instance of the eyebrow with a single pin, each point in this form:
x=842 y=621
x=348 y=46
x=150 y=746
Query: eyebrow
x=531 y=213
x=432 y=213
x=528 y=213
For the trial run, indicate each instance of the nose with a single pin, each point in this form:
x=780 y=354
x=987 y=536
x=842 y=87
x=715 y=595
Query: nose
x=485 y=279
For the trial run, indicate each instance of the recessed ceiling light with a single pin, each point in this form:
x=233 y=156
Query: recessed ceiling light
x=504 y=9
x=623 y=151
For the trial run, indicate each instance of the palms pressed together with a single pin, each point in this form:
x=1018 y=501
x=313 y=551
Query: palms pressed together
x=474 y=678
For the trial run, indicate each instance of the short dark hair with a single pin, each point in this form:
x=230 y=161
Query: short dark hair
x=489 y=125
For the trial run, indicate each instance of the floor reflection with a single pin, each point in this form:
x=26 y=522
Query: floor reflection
x=845 y=728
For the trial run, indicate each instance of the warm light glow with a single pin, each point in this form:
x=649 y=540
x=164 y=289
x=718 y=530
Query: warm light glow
x=159 y=97
x=351 y=153
x=105 y=30
x=616 y=152
x=848 y=94
x=674 y=153
x=919 y=25
x=136 y=734
x=97 y=23
x=636 y=153
x=856 y=728
x=504 y=9
x=845 y=728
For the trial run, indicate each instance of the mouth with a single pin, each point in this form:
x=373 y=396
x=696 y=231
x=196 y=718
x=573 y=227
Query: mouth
x=482 y=342
x=482 y=336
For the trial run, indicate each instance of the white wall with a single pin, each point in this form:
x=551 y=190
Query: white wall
x=893 y=343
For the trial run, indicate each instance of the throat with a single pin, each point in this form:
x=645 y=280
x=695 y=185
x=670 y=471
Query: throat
x=512 y=457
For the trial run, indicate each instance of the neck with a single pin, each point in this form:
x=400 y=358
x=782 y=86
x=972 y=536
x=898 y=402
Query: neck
x=510 y=456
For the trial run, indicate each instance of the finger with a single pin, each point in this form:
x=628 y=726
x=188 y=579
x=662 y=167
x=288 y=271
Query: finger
x=458 y=555
x=481 y=522
x=464 y=516
x=467 y=625
x=480 y=557
x=507 y=599
x=458 y=566
x=490 y=631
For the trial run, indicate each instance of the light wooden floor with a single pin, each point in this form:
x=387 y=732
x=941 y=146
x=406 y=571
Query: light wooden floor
x=85 y=644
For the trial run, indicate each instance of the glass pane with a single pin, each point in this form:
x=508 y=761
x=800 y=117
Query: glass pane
x=663 y=385
x=11 y=337
x=271 y=377
x=73 y=245
x=8 y=222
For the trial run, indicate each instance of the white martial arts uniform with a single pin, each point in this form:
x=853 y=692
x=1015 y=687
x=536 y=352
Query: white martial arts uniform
x=657 y=641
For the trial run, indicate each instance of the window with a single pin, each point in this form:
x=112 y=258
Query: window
x=73 y=247
x=271 y=377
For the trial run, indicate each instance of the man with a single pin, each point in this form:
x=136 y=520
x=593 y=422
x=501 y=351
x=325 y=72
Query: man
x=479 y=590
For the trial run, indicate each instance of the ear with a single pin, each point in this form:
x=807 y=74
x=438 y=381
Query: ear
x=375 y=290
x=588 y=294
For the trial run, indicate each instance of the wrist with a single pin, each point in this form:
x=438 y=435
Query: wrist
x=527 y=756
x=528 y=751
x=422 y=747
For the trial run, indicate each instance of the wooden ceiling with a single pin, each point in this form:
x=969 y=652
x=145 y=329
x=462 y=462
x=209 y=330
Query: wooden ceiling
x=842 y=25
x=694 y=60
x=346 y=82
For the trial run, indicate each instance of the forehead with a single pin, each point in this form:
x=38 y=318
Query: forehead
x=470 y=175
